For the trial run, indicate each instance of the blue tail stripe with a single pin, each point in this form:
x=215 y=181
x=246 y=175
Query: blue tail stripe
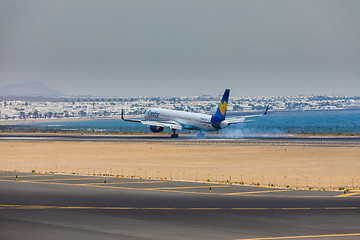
x=220 y=114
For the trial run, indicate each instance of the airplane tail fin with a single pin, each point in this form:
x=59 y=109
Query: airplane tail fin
x=221 y=111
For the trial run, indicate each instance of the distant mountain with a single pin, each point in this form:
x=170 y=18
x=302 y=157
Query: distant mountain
x=28 y=89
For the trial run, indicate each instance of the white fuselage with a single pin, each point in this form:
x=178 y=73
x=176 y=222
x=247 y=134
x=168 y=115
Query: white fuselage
x=188 y=120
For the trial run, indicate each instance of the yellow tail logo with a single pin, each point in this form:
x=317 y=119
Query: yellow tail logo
x=222 y=107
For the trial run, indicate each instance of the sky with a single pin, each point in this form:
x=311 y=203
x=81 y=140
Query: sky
x=182 y=47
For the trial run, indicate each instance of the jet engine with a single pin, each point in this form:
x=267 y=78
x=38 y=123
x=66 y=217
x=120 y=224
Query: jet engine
x=156 y=128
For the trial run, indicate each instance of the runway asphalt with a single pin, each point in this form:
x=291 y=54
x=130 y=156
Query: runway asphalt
x=38 y=206
x=255 y=140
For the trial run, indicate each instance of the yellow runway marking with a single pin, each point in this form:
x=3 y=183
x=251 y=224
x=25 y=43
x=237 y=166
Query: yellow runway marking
x=241 y=193
x=115 y=183
x=25 y=176
x=348 y=194
x=102 y=186
x=74 y=179
x=341 y=208
x=141 y=189
x=35 y=207
x=175 y=191
x=71 y=184
x=161 y=188
x=302 y=237
x=60 y=179
x=137 y=182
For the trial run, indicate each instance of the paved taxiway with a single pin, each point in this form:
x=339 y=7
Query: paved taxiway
x=273 y=140
x=82 y=207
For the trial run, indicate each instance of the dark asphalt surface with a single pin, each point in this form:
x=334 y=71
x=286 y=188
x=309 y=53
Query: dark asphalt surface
x=82 y=207
x=316 y=140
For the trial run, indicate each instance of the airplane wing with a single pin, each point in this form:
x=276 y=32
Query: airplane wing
x=170 y=124
x=129 y=119
x=242 y=119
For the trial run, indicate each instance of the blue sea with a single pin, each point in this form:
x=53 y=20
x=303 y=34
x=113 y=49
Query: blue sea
x=332 y=121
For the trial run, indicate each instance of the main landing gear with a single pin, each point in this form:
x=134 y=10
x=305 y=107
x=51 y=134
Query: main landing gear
x=201 y=135
x=174 y=134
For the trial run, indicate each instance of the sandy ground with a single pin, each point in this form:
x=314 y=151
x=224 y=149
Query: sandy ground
x=315 y=167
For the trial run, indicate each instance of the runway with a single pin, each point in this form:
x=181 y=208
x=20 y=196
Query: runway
x=39 y=206
x=255 y=140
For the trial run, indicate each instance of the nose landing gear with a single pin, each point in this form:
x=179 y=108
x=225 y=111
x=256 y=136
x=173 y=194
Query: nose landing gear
x=174 y=134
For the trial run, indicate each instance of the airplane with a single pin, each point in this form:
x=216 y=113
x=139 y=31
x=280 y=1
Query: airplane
x=158 y=118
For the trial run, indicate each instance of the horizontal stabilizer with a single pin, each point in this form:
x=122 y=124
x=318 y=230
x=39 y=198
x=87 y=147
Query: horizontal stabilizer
x=242 y=119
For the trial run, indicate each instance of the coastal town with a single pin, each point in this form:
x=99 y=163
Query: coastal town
x=19 y=108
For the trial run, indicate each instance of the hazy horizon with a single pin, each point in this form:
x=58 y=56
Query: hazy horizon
x=59 y=95
x=182 y=48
